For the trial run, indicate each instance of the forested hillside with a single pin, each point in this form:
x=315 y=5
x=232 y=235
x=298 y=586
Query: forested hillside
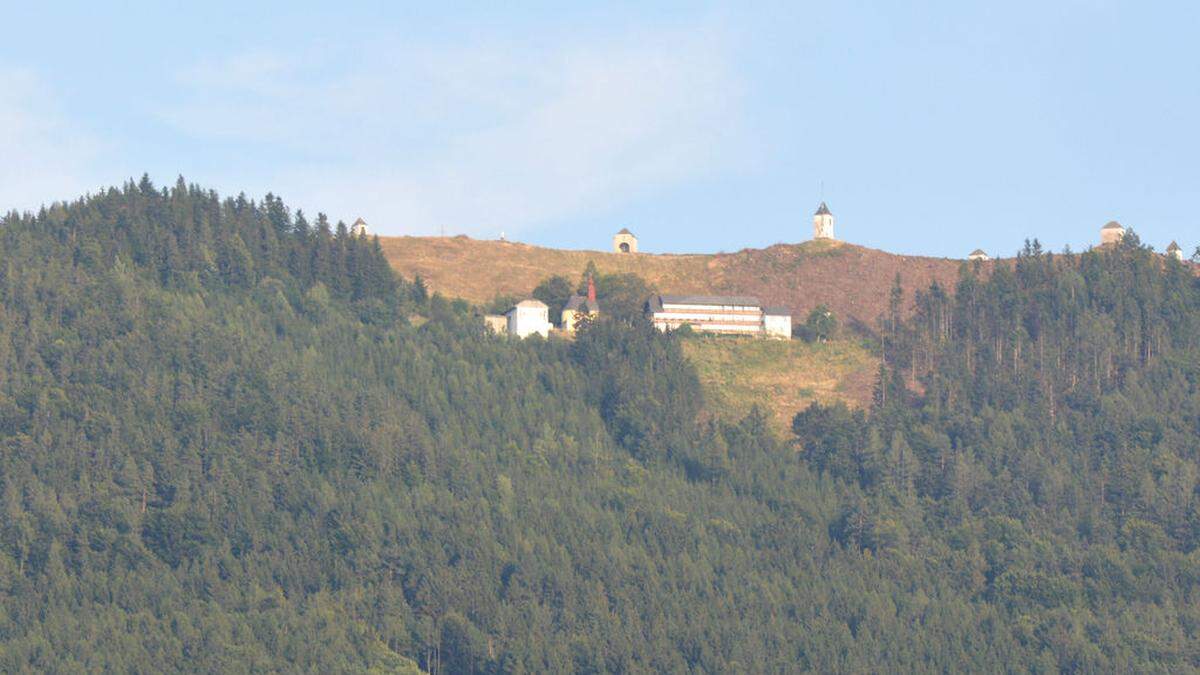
x=227 y=446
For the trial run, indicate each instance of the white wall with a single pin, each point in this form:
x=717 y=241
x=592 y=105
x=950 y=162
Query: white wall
x=777 y=326
x=525 y=321
x=823 y=226
x=754 y=328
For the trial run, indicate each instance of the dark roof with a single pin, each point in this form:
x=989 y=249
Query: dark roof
x=360 y=221
x=823 y=210
x=979 y=251
x=777 y=311
x=579 y=303
x=1113 y=225
x=1174 y=247
x=625 y=230
x=708 y=300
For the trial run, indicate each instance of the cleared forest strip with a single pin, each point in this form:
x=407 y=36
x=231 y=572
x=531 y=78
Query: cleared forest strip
x=779 y=376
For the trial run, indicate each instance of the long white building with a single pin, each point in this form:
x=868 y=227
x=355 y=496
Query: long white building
x=729 y=315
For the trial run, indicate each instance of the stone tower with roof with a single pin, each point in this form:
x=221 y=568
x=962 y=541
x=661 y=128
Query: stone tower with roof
x=823 y=223
x=359 y=228
x=624 y=242
x=1175 y=251
x=1111 y=233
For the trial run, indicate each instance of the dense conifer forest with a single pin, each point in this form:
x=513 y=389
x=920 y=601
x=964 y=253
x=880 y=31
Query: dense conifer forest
x=233 y=440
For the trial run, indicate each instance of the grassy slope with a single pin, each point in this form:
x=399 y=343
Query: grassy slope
x=480 y=270
x=852 y=280
x=779 y=376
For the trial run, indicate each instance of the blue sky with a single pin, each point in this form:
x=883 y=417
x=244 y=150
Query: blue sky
x=930 y=128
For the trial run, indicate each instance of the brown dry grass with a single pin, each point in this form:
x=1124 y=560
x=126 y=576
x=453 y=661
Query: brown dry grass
x=480 y=270
x=852 y=280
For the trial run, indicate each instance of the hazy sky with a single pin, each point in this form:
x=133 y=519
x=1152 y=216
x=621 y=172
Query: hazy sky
x=928 y=127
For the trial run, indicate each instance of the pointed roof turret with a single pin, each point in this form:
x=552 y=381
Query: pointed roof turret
x=1173 y=247
x=823 y=210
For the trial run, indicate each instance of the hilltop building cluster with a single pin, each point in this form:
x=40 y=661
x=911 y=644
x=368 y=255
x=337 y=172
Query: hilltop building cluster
x=722 y=315
x=1110 y=234
x=725 y=315
x=532 y=316
x=1113 y=232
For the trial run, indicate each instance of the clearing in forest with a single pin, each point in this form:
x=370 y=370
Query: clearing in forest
x=780 y=376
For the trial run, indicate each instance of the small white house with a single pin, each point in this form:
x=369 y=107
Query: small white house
x=777 y=322
x=529 y=317
x=1175 y=251
x=359 y=228
x=979 y=254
